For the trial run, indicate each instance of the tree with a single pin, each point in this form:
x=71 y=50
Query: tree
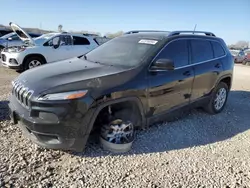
x=113 y=35
x=242 y=44
x=60 y=28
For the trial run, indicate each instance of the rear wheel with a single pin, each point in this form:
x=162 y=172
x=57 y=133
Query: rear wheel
x=33 y=62
x=218 y=99
x=244 y=62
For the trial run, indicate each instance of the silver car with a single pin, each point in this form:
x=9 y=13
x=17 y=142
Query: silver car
x=238 y=56
x=12 y=39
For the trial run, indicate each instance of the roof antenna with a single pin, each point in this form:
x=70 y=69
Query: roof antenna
x=194 y=28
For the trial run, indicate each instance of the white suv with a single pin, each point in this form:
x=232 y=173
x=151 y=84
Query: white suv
x=47 y=48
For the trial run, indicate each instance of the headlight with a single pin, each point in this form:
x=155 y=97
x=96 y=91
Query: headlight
x=15 y=49
x=64 y=96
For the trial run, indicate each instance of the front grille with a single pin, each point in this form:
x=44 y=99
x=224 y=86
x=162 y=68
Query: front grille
x=3 y=57
x=22 y=93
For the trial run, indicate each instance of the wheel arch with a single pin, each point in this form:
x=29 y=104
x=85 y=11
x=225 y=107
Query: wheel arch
x=226 y=79
x=33 y=55
x=133 y=100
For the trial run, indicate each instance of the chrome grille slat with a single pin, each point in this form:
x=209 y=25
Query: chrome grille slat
x=22 y=93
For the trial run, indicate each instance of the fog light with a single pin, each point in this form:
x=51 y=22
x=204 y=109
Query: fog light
x=13 y=61
x=48 y=117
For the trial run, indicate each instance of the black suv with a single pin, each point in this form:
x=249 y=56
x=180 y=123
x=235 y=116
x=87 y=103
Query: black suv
x=129 y=82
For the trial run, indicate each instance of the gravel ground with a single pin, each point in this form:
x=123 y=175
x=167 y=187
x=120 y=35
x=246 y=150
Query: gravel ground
x=198 y=150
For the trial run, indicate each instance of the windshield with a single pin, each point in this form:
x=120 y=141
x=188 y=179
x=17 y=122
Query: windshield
x=43 y=38
x=122 y=51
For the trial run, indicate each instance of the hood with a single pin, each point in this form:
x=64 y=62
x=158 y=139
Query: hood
x=23 y=35
x=75 y=73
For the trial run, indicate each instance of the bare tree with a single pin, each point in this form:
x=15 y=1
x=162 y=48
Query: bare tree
x=60 y=28
x=242 y=44
x=113 y=35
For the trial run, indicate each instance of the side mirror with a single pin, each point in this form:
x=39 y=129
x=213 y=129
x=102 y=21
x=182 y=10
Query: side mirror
x=9 y=38
x=163 y=64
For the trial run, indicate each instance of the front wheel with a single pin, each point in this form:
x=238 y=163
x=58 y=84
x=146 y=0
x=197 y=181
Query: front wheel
x=218 y=99
x=33 y=62
x=118 y=134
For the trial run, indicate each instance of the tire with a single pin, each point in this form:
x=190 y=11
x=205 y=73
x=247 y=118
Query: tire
x=244 y=62
x=214 y=106
x=33 y=62
x=118 y=135
x=1 y=48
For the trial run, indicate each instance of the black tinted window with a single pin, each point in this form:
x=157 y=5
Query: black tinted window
x=80 y=41
x=34 y=35
x=201 y=50
x=176 y=51
x=218 y=50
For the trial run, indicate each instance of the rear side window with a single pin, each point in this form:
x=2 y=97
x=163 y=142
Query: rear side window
x=201 y=50
x=218 y=49
x=176 y=51
x=80 y=41
x=34 y=35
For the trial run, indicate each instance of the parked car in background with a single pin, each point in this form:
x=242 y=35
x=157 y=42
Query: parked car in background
x=101 y=40
x=12 y=39
x=47 y=48
x=4 y=31
x=247 y=57
x=238 y=55
x=130 y=82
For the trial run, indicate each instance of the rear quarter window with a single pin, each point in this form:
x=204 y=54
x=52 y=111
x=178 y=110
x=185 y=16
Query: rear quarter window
x=218 y=49
x=201 y=50
x=80 y=41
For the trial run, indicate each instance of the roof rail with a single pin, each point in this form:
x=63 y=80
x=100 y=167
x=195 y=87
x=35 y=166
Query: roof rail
x=140 y=31
x=90 y=34
x=191 y=32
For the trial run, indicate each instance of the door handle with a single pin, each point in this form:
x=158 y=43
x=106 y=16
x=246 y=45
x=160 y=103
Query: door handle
x=187 y=73
x=217 y=65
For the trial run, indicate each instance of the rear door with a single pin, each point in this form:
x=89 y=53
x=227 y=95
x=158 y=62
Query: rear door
x=206 y=60
x=170 y=89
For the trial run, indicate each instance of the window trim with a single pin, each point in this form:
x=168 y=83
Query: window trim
x=189 y=55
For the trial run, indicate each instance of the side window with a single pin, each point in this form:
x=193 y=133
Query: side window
x=80 y=41
x=34 y=35
x=218 y=49
x=14 y=38
x=50 y=42
x=176 y=51
x=66 y=40
x=201 y=50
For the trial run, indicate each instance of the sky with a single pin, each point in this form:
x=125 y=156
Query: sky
x=228 y=19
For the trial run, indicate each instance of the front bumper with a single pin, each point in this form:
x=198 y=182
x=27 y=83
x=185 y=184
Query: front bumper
x=61 y=127
x=11 y=60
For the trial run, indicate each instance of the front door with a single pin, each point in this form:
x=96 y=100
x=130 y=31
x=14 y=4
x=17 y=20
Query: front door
x=170 y=89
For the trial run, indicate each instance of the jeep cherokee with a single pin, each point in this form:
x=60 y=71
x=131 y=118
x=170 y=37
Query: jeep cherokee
x=129 y=82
